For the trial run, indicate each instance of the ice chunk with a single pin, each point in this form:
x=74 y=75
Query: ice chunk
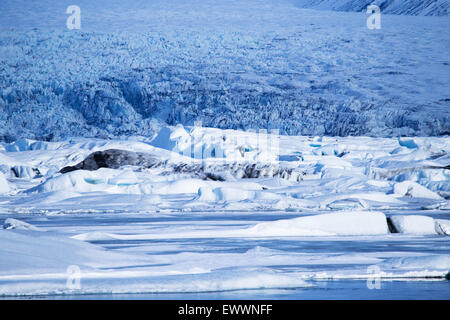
x=172 y=139
x=408 y=143
x=11 y=223
x=19 y=145
x=442 y=226
x=181 y=186
x=206 y=194
x=114 y=158
x=4 y=187
x=229 y=194
x=415 y=190
x=232 y=194
x=342 y=223
x=21 y=171
x=125 y=178
x=102 y=180
x=224 y=194
x=414 y=224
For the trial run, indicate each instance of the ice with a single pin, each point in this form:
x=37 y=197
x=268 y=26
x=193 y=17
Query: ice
x=442 y=226
x=410 y=144
x=414 y=224
x=4 y=186
x=413 y=189
x=140 y=283
x=33 y=251
x=28 y=145
x=102 y=180
x=342 y=223
x=346 y=173
x=144 y=72
x=210 y=146
x=331 y=224
x=39 y=263
x=165 y=139
x=126 y=178
x=208 y=253
x=11 y=223
x=182 y=186
x=229 y=194
x=435 y=262
x=206 y=194
x=232 y=194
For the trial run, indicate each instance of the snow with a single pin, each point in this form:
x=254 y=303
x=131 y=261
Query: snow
x=91 y=181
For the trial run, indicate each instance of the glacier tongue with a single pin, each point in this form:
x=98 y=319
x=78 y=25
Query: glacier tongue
x=304 y=72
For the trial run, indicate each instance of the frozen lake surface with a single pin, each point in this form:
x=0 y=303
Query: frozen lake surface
x=306 y=257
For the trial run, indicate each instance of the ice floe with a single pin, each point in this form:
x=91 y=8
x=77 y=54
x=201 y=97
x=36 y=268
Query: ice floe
x=414 y=224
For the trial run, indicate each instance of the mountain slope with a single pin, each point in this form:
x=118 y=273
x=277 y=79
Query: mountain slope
x=405 y=7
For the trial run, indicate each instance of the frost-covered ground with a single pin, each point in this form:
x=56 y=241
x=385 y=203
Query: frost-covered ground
x=226 y=211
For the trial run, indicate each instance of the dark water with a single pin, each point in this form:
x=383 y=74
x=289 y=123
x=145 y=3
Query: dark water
x=322 y=290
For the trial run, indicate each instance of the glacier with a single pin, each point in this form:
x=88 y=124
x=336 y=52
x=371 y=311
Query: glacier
x=310 y=73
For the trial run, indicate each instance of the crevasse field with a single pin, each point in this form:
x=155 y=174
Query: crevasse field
x=261 y=149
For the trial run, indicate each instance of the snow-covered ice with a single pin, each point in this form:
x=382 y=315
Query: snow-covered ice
x=414 y=224
x=301 y=174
